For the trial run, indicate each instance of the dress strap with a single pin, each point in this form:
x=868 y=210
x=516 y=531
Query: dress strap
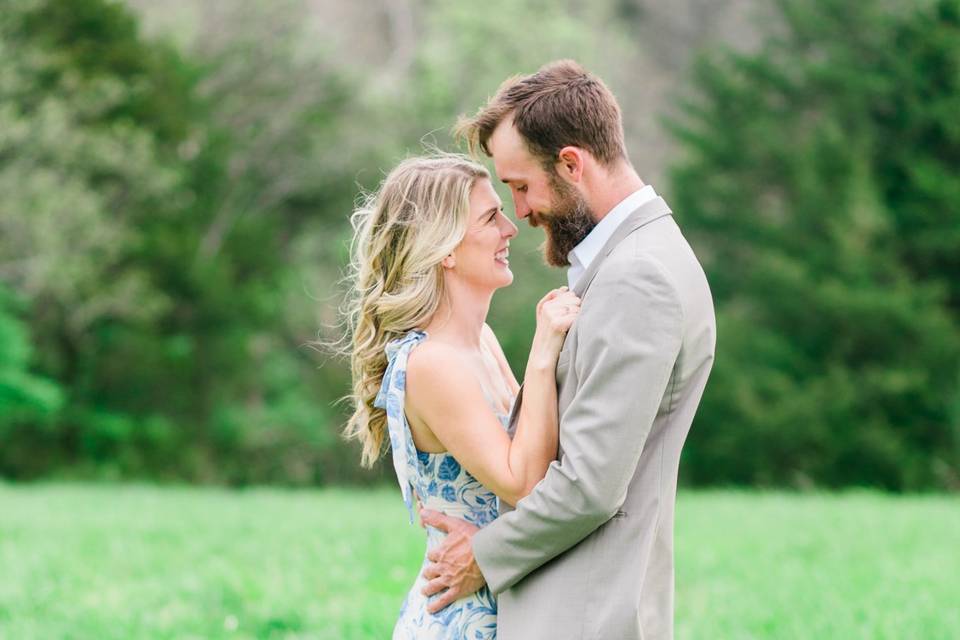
x=391 y=398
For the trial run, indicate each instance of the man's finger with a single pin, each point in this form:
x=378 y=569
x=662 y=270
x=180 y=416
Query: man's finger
x=432 y=571
x=435 y=519
x=434 y=555
x=420 y=511
x=434 y=586
x=444 y=600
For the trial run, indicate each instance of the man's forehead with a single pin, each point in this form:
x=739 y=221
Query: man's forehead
x=505 y=139
x=510 y=155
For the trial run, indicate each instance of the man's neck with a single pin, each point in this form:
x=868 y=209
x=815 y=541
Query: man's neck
x=611 y=187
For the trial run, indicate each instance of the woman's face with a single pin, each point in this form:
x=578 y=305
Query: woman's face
x=481 y=257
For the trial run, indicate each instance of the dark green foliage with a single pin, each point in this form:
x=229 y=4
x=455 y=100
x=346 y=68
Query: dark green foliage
x=27 y=402
x=96 y=38
x=820 y=186
x=174 y=361
x=172 y=226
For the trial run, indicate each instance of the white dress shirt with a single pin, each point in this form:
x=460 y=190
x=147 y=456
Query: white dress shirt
x=584 y=253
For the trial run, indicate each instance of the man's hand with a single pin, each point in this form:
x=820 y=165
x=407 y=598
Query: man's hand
x=452 y=564
x=423 y=525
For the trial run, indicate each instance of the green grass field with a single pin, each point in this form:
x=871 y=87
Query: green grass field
x=80 y=561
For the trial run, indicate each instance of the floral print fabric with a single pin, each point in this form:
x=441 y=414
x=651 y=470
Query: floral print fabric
x=442 y=485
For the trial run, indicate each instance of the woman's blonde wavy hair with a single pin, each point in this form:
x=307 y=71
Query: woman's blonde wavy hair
x=402 y=232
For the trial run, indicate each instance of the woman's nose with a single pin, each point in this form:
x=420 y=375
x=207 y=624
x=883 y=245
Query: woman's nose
x=509 y=230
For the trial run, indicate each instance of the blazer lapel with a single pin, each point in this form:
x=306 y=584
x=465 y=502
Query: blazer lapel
x=648 y=212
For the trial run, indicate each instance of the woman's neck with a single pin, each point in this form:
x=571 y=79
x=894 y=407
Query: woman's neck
x=459 y=318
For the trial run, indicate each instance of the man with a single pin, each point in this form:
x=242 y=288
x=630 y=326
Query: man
x=589 y=553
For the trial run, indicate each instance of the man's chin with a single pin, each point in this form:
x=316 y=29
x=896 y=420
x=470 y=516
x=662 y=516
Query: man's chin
x=551 y=256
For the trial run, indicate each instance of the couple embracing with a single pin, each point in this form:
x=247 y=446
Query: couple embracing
x=549 y=506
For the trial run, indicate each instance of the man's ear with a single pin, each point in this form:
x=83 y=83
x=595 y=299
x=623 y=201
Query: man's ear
x=570 y=163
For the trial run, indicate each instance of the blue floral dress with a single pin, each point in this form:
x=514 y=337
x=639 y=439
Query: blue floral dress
x=442 y=485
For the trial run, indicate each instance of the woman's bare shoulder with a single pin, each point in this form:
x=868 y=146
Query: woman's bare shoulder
x=432 y=367
x=430 y=354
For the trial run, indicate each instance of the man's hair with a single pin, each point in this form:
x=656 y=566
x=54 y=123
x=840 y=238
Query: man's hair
x=560 y=105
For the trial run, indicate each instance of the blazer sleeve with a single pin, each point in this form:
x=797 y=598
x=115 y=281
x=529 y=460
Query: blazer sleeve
x=629 y=338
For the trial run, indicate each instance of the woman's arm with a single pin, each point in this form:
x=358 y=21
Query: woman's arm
x=444 y=394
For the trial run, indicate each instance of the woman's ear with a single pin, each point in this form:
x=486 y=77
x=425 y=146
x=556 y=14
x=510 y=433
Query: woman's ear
x=449 y=262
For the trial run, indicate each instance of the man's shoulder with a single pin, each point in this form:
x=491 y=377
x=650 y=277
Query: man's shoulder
x=657 y=248
x=630 y=263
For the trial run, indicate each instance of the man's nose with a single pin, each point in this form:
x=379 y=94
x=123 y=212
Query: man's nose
x=521 y=208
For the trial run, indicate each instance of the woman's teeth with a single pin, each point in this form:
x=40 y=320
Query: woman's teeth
x=501 y=257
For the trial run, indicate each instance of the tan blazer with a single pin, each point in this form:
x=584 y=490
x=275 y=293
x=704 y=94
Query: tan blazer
x=589 y=553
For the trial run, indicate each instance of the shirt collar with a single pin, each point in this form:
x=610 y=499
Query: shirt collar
x=584 y=253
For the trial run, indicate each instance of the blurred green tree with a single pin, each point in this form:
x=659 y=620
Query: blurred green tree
x=819 y=184
x=27 y=401
x=77 y=174
x=173 y=223
x=114 y=168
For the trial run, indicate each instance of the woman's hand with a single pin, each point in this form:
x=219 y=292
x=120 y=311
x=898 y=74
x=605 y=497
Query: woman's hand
x=556 y=312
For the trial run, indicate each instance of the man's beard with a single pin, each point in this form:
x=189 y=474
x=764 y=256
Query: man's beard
x=567 y=224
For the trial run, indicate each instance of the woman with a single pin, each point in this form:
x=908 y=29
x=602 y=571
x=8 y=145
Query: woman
x=430 y=249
